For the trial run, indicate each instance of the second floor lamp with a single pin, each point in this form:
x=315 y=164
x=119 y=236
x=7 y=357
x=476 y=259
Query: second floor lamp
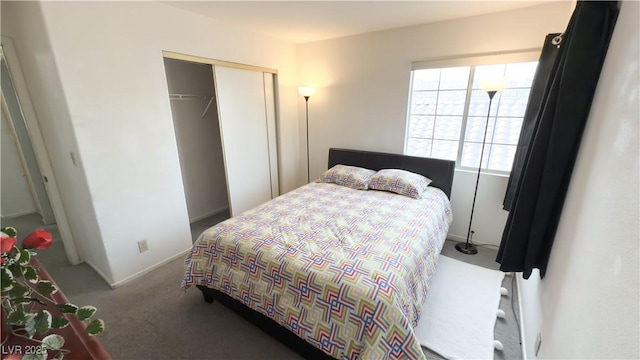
x=491 y=87
x=306 y=92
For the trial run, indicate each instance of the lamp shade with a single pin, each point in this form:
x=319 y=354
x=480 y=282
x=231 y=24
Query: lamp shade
x=493 y=83
x=306 y=90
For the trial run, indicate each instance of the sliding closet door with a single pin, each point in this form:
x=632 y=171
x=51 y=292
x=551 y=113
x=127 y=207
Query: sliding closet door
x=270 y=102
x=245 y=140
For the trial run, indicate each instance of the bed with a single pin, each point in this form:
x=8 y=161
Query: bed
x=331 y=271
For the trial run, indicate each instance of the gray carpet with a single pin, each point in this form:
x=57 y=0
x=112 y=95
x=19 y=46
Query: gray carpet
x=151 y=318
x=201 y=225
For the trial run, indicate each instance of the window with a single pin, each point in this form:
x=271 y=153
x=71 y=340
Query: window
x=448 y=113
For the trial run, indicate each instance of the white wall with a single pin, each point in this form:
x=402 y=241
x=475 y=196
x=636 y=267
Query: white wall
x=587 y=306
x=23 y=23
x=198 y=138
x=96 y=73
x=363 y=84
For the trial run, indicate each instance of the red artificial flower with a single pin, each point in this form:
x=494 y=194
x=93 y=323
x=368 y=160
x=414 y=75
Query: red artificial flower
x=7 y=243
x=39 y=239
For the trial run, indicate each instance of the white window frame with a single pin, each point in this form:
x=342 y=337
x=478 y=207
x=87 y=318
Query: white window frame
x=526 y=55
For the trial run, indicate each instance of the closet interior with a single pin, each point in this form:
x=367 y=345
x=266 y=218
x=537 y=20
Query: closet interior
x=225 y=126
x=197 y=129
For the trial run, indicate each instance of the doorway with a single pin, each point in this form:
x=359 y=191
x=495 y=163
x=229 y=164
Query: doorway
x=23 y=190
x=30 y=196
x=197 y=127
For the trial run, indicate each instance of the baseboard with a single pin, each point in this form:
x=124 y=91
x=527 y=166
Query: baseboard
x=464 y=239
x=209 y=213
x=523 y=346
x=97 y=270
x=18 y=214
x=149 y=269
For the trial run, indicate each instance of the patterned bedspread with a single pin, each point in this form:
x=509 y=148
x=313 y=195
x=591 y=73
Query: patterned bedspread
x=346 y=270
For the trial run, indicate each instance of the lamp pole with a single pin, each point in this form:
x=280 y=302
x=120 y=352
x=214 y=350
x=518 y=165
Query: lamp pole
x=491 y=86
x=306 y=92
x=468 y=247
x=306 y=99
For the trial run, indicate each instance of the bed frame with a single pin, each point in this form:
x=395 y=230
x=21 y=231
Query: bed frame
x=439 y=171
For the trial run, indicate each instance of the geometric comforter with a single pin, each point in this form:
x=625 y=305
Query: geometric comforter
x=347 y=270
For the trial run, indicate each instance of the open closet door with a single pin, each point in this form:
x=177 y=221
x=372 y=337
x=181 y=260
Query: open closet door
x=245 y=140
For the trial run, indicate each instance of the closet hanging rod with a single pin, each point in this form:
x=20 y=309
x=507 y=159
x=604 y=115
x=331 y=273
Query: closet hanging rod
x=188 y=97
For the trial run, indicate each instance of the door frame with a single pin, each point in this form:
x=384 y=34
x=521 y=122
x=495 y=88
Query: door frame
x=40 y=150
x=203 y=60
x=271 y=115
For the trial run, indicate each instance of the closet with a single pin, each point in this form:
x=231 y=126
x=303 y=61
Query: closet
x=225 y=125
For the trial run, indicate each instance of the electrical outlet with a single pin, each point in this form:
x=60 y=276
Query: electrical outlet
x=143 y=246
x=536 y=347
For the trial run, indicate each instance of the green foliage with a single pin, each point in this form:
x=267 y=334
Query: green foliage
x=67 y=308
x=41 y=355
x=18 y=316
x=12 y=232
x=24 y=257
x=20 y=287
x=46 y=288
x=19 y=291
x=6 y=279
x=53 y=342
x=40 y=323
x=16 y=270
x=86 y=312
x=31 y=274
x=95 y=327
x=59 y=322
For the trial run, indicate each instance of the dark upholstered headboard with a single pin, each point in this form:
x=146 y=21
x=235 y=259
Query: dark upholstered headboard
x=439 y=171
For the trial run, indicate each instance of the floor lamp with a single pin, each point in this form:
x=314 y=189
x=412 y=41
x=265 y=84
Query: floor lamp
x=491 y=87
x=307 y=91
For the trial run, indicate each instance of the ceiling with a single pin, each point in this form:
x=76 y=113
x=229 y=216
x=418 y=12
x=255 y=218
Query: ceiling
x=307 y=21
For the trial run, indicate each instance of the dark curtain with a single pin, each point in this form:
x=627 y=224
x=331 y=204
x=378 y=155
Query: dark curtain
x=555 y=118
x=546 y=66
